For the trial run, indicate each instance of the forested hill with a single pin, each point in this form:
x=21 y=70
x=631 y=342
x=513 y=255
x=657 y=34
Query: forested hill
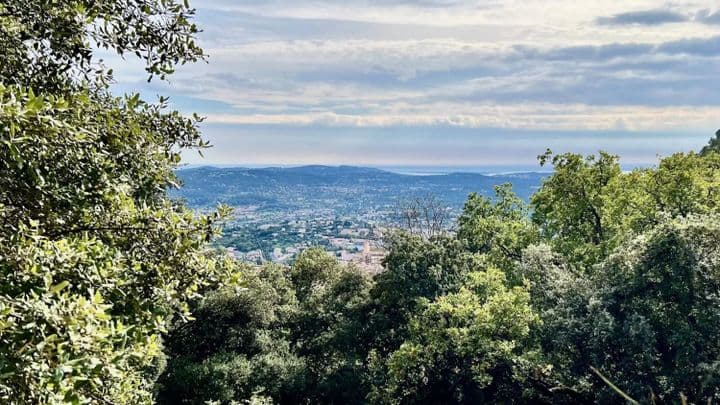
x=280 y=187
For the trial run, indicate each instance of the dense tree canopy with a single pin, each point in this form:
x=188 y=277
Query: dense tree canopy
x=288 y=336
x=96 y=261
x=498 y=229
x=239 y=346
x=605 y=283
x=568 y=207
x=642 y=311
x=415 y=269
x=646 y=316
x=464 y=347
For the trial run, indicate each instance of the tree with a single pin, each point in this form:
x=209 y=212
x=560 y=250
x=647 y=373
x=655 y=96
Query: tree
x=415 y=269
x=96 y=261
x=239 y=346
x=712 y=146
x=464 y=347
x=682 y=185
x=426 y=216
x=569 y=205
x=328 y=329
x=646 y=318
x=289 y=335
x=49 y=46
x=499 y=229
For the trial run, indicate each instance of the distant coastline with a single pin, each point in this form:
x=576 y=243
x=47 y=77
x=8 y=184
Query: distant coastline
x=403 y=170
x=408 y=170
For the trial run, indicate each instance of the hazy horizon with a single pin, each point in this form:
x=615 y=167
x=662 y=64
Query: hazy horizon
x=400 y=169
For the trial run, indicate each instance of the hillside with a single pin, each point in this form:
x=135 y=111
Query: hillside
x=346 y=187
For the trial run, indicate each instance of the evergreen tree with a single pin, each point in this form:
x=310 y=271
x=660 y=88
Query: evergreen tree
x=713 y=145
x=95 y=259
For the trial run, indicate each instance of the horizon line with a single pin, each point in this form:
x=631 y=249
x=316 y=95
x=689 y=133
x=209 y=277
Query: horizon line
x=420 y=170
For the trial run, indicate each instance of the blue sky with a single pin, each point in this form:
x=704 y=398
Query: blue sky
x=447 y=82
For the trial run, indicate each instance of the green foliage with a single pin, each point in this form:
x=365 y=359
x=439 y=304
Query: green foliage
x=329 y=325
x=465 y=347
x=712 y=146
x=588 y=207
x=96 y=260
x=499 y=229
x=661 y=295
x=83 y=207
x=290 y=336
x=415 y=269
x=646 y=317
x=75 y=163
x=682 y=185
x=238 y=346
x=568 y=207
x=49 y=45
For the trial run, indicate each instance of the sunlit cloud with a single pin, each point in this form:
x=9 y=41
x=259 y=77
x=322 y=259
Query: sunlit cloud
x=529 y=117
x=539 y=65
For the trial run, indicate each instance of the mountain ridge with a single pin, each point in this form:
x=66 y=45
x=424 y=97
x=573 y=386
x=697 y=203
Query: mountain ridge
x=321 y=185
x=354 y=168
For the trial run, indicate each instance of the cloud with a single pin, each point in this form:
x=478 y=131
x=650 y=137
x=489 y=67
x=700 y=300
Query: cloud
x=693 y=46
x=372 y=11
x=708 y=17
x=223 y=28
x=586 y=52
x=375 y=65
x=360 y=76
x=660 y=17
x=560 y=117
x=224 y=4
x=420 y=145
x=646 y=17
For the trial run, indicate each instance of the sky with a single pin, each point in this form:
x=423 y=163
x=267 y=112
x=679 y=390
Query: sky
x=446 y=82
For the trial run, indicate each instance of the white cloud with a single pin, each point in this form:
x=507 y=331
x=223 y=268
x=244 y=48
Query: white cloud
x=520 y=116
x=530 y=65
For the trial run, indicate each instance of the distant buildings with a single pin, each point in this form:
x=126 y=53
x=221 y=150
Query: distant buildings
x=279 y=236
x=254 y=256
x=370 y=258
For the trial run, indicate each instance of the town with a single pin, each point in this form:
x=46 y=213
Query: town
x=278 y=212
x=278 y=236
